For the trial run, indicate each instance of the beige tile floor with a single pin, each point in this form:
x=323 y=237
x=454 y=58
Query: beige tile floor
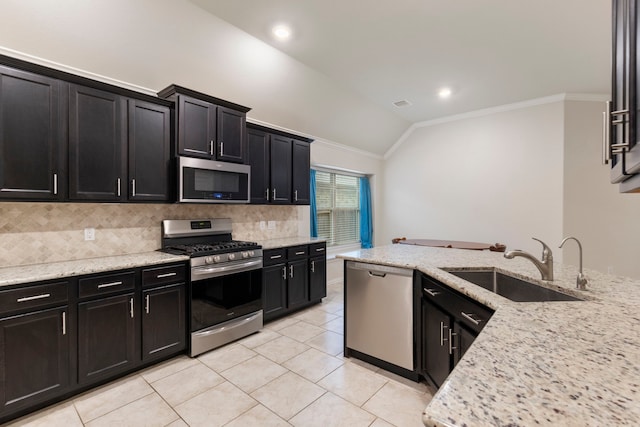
x=292 y=373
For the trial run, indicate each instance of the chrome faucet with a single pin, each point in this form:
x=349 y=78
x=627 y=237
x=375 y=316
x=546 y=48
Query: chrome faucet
x=581 y=281
x=545 y=265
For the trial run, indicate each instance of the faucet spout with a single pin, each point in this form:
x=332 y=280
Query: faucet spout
x=581 y=281
x=545 y=265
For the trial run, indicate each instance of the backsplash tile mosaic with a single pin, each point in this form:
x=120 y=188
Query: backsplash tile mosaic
x=32 y=233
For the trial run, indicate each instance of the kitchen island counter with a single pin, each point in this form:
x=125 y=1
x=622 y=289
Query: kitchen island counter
x=544 y=363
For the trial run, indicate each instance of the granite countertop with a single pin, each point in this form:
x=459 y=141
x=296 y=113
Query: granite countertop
x=546 y=363
x=55 y=270
x=289 y=241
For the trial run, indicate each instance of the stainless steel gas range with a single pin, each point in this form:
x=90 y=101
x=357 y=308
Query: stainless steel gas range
x=226 y=281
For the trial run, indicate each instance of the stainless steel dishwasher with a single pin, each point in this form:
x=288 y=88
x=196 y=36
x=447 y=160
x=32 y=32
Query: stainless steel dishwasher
x=379 y=313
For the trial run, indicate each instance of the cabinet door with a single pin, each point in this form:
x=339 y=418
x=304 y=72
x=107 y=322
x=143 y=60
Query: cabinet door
x=96 y=145
x=149 y=151
x=298 y=283
x=31 y=142
x=464 y=338
x=231 y=135
x=106 y=337
x=258 y=159
x=280 y=168
x=274 y=290
x=196 y=127
x=34 y=358
x=435 y=342
x=300 y=173
x=163 y=321
x=317 y=278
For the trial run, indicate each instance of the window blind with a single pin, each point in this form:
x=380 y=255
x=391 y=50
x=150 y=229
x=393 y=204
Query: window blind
x=338 y=208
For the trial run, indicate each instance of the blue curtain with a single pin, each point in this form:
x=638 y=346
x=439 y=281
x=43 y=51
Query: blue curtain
x=314 y=211
x=366 y=223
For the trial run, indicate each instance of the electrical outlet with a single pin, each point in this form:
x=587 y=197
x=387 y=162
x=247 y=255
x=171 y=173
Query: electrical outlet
x=263 y=225
x=89 y=234
x=271 y=225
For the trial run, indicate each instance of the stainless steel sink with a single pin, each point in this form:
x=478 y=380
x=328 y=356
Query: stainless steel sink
x=511 y=287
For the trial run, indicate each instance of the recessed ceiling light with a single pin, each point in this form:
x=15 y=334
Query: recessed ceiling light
x=444 y=93
x=281 y=32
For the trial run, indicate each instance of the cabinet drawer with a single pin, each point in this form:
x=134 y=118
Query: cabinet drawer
x=29 y=297
x=274 y=256
x=107 y=284
x=466 y=311
x=318 y=249
x=163 y=275
x=297 y=252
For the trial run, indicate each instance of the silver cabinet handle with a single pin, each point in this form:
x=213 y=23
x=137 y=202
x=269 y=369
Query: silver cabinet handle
x=284 y=273
x=313 y=266
x=267 y=196
x=451 y=347
x=442 y=338
x=35 y=297
x=64 y=323
x=295 y=195
x=108 y=285
x=319 y=249
x=133 y=187
x=55 y=183
x=221 y=148
x=431 y=292
x=469 y=318
x=211 y=150
x=198 y=151
x=118 y=187
x=623 y=146
x=291 y=271
x=300 y=253
x=131 y=307
x=606 y=134
x=275 y=256
x=274 y=194
x=146 y=304
x=162 y=276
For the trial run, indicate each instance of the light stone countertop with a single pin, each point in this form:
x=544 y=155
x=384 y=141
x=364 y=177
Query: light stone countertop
x=547 y=363
x=56 y=270
x=289 y=241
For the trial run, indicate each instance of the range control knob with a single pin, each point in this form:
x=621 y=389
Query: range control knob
x=216 y=258
x=208 y=260
x=245 y=254
x=252 y=253
x=232 y=257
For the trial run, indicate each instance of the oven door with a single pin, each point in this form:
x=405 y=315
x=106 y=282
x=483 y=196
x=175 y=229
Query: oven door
x=207 y=181
x=219 y=294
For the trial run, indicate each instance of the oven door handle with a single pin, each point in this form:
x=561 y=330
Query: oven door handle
x=226 y=270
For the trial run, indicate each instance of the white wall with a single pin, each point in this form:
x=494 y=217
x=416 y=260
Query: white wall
x=489 y=178
x=595 y=212
x=153 y=43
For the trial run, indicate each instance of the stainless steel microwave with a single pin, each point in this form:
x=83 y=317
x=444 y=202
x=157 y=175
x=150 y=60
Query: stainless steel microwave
x=208 y=181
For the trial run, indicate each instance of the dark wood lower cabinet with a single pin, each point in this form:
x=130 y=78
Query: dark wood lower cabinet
x=274 y=291
x=106 y=337
x=317 y=278
x=34 y=358
x=435 y=343
x=298 y=292
x=163 y=321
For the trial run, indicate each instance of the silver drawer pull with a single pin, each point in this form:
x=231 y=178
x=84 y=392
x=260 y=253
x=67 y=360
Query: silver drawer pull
x=275 y=256
x=300 y=253
x=108 y=285
x=162 y=276
x=469 y=318
x=35 y=297
x=197 y=151
x=431 y=292
x=319 y=249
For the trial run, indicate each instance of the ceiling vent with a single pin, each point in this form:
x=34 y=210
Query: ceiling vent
x=403 y=103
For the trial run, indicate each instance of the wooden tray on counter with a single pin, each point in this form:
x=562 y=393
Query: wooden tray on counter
x=451 y=244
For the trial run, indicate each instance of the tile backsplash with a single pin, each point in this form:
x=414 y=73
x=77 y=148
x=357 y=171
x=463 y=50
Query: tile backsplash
x=32 y=233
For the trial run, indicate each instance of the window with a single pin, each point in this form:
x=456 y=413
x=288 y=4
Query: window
x=338 y=207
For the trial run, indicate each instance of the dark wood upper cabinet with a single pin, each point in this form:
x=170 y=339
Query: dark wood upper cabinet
x=97 y=155
x=259 y=159
x=300 y=172
x=280 y=167
x=208 y=127
x=149 y=151
x=32 y=146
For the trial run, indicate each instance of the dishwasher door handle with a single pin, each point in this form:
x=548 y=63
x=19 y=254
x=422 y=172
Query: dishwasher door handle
x=376 y=274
